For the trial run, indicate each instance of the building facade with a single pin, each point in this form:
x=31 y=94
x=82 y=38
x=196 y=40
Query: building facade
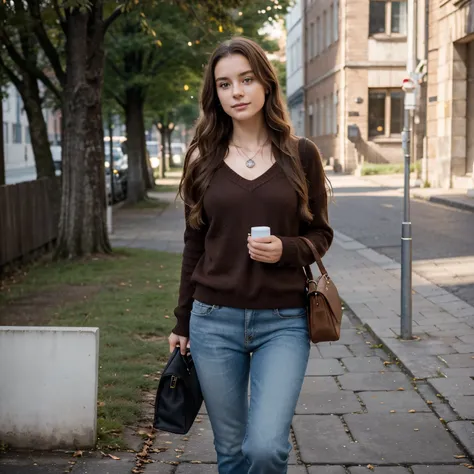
x=450 y=97
x=16 y=130
x=355 y=62
x=295 y=67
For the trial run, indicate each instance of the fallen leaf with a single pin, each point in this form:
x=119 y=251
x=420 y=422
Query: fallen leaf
x=411 y=411
x=115 y=458
x=429 y=402
x=387 y=362
x=392 y=411
x=416 y=429
x=369 y=466
x=459 y=456
x=196 y=462
x=77 y=454
x=400 y=389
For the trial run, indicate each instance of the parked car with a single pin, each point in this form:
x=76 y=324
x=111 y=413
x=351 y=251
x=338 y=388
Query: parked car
x=178 y=152
x=154 y=150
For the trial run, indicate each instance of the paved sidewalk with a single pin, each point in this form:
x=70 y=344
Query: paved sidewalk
x=457 y=198
x=360 y=411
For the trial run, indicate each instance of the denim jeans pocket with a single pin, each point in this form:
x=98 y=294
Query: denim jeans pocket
x=202 y=309
x=291 y=313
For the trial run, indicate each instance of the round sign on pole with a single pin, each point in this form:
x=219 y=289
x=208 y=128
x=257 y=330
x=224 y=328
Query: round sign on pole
x=408 y=85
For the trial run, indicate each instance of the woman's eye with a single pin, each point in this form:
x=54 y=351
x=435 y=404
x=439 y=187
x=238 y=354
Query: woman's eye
x=248 y=80
x=224 y=85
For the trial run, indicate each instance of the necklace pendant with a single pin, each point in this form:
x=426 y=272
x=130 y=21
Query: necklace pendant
x=250 y=163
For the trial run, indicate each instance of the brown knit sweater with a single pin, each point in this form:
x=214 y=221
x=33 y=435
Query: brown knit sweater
x=217 y=268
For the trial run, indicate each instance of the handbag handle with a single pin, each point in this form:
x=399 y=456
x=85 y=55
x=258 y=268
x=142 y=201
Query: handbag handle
x=317 y=258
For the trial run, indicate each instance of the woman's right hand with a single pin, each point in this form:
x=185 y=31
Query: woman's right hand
x=181 y=341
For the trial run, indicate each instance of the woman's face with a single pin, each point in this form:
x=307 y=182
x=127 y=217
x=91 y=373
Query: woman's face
x=241 y=95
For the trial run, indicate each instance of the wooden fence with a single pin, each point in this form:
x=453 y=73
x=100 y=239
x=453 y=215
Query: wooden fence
x=28 y=220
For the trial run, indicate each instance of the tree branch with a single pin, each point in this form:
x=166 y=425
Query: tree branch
x=45 y=42
x=116 y=69
x=113 y=16
x=116 y=97
x=62 y=19
x=26 y=65
x=17 y=82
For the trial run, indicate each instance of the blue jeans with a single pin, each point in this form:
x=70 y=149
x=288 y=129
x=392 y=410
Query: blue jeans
x=270 y=346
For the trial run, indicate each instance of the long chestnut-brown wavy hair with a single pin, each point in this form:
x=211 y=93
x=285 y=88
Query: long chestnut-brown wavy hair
x=214 y=131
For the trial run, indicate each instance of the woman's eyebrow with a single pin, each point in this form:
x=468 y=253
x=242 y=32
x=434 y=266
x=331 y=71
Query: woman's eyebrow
x=241 y=74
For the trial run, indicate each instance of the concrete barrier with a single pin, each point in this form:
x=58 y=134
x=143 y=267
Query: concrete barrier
x=48 y=387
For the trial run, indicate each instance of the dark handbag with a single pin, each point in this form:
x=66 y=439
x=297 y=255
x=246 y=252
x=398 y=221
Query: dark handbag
x=179 y=396
x=324 y=307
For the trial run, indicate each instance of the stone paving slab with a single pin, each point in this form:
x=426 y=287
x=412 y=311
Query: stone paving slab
x=312 y=385
x=108 y=466
x=379 y=470
x=335 y=351
x=324 y=367
x=440 y=470
x=367 y=364
x=453 y=386
x=327 y=403
x=459 y=360
x=401 y=402
x=464 y=432
x=326 y=470
x=464 y=406
x=378 y=439
x=34 y=463
x=374 y=381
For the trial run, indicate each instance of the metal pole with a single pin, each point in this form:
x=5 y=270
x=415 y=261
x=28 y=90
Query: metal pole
x=111 y=176
x=406 y=256
x=406 y=283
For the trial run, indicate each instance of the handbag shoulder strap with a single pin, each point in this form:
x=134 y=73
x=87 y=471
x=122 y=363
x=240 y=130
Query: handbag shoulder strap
x=319 y=262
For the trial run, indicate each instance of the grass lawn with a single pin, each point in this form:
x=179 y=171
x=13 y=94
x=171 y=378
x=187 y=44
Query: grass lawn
x=387 y=168
x=130 y=296
x=166 y=188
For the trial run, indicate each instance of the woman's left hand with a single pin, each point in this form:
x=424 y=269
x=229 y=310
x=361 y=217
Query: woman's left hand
x=265 y=249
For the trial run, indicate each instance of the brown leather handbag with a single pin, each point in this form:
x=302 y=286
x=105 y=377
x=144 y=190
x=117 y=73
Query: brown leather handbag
x=324 y=307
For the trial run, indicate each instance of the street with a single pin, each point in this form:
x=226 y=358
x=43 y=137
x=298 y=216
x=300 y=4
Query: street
x=443 y=237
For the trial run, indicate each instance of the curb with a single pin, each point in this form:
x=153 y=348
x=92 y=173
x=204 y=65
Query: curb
x=445 y=202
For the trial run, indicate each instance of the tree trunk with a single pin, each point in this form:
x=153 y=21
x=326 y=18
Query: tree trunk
x=82 y=226
x=163 y=167
x=134 y=115
x=2 y=144
x=147 y=169
x=38 y=129
x=170 y=152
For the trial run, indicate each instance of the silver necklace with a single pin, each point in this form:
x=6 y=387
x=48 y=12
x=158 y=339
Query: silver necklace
x=250 y=162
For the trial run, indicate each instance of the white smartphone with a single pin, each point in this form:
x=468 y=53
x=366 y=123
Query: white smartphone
x=260 y=231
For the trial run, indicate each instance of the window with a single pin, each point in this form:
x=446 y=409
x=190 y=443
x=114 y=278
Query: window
x=385 y=112
x=319 y=33
x=331 y=24
x=311 y=121
x=388 y=17
x=16 y=132
x=312 y=46
x=399 y=18
x=327 y=42
x=396 y=112
x=328 y=107
x=335 y=20
x=322 y=117
x=318 y=120
x=334 y=113
x=5 y=133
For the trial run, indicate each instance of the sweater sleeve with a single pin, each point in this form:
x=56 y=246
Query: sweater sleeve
x=295 y=251
x=193 y=251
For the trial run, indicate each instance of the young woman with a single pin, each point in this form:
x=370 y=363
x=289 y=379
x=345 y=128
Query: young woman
x=242 y=300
